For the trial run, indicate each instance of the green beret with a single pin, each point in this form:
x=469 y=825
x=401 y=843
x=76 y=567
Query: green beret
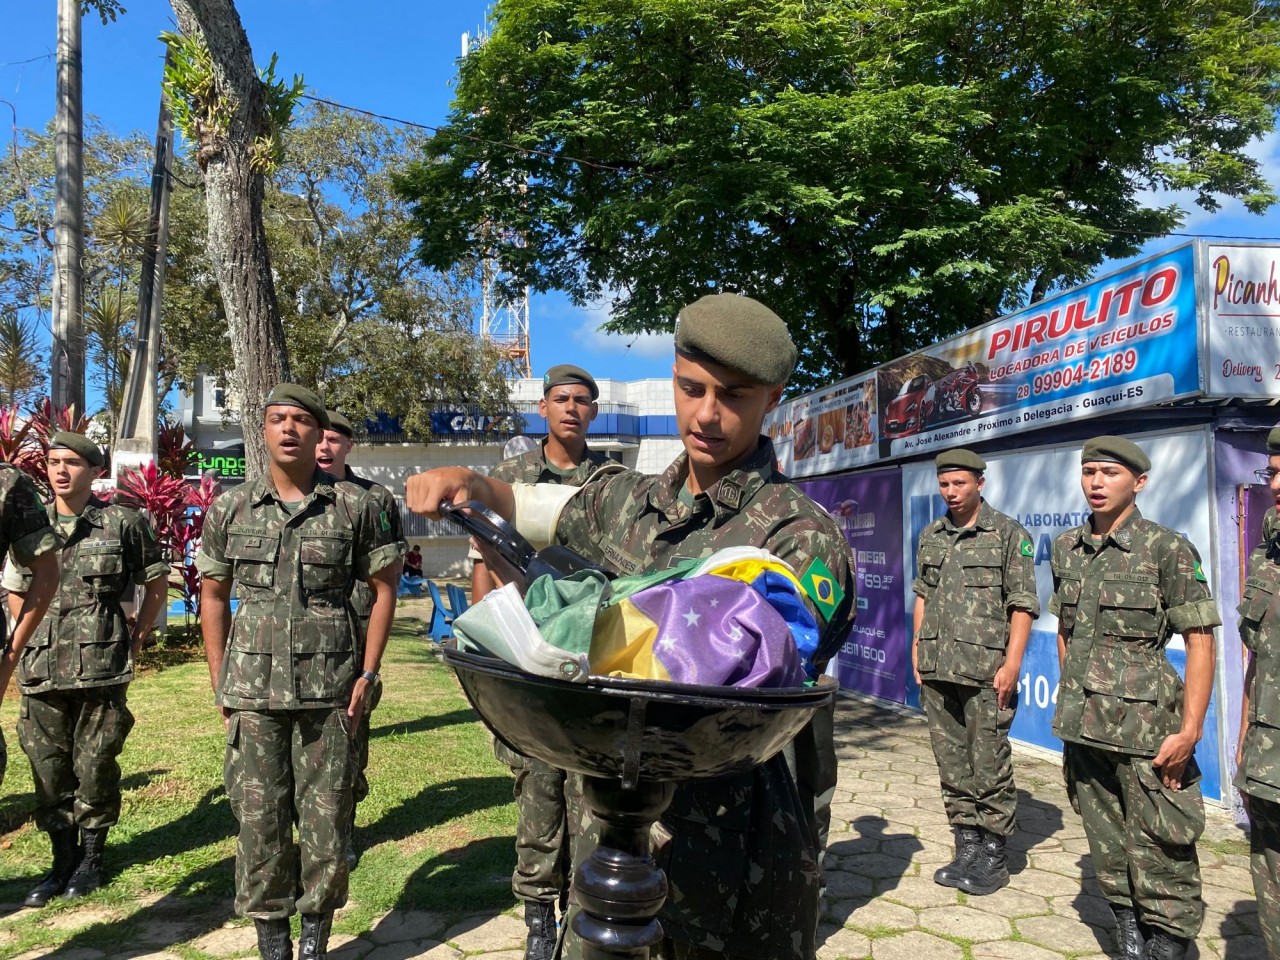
x=739 y=333
x=1116 y=450
x=78 y=443
x=568 y=373
x=293 y=395
x=340 y=423
x=960 y=459
x=1273 y=441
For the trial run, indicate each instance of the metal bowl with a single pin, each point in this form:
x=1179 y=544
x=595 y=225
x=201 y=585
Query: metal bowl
x=635 y=729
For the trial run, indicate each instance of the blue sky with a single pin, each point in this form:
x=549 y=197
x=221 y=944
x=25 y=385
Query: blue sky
x=395 y=57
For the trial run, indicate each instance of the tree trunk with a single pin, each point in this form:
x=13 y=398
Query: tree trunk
x=237 y=238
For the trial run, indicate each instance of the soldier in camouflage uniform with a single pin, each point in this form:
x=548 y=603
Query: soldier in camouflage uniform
x=542 y=873
x=739 y=852
x=331 y=456
x=74 y=673
x=284 y=671
x=1258 y=752
x=1122 y=586
x=25 y=535
x=975 y=600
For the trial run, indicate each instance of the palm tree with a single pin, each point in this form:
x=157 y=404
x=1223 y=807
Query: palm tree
x=22 y=361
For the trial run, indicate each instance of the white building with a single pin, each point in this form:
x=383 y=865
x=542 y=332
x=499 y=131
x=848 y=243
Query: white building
x=636 y=426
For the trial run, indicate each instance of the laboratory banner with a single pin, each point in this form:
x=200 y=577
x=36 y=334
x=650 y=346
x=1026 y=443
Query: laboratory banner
x=875 y=659
x=1241 y=293
x=828 y=431
x=1040 y=488
x=1124 y=341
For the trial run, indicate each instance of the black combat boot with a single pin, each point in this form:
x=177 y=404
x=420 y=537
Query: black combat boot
x=66 y=854
x=990 y=871
x=540 y=918
x=1129 y=938
x=88 y=875
x=313 y=941
x=1165 y=946
x=352 y=857
x=968 y=845
x=273 y=939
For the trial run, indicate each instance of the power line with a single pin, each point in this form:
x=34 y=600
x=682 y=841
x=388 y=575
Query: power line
x=18 y=63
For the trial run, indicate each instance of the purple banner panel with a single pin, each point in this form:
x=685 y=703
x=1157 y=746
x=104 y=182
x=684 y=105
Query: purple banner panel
x=874 y=660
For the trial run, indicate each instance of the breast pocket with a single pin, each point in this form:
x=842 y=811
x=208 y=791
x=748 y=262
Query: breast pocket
x=1129 y=607
x=326 y=561
x=1258 y=596
x=1121 y=697
x=253 y=553
x=1068 y=597
x=931 y=560
x=100 y=564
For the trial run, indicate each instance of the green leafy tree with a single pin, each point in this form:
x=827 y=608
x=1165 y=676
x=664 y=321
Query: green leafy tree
x=882 y=172
x=23 y=361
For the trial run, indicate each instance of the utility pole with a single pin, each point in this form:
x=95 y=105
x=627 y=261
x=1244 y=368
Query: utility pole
x=136 y=439
x=67 y=380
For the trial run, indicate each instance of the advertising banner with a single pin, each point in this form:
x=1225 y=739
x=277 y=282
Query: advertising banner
x=1123 y=341
x=1040 y=488
x=875 y=659
x=1241 y=293
x=825 y=432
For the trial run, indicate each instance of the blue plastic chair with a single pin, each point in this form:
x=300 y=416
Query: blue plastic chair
x=441 y=626
x=458 y=601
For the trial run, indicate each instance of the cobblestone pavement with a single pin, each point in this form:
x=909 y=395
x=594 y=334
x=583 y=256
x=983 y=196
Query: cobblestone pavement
x=888 y=836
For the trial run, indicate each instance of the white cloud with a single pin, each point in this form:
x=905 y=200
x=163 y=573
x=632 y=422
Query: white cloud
x=1231 y=217
x=590 y=336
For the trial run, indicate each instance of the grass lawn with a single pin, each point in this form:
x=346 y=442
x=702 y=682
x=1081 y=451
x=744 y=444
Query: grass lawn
x=436 y=832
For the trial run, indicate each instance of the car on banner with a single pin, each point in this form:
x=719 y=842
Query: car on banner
x=904 y=414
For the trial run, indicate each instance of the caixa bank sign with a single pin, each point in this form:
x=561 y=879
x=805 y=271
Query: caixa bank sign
x=471 y=422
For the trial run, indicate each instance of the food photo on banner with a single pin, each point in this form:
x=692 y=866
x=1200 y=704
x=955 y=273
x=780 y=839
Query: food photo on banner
x=828 y=431
x=868 y=507
x=1040 y=488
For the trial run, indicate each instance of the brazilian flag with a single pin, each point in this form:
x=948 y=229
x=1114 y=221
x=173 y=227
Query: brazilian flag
x=822 y=587
x=1027 y=549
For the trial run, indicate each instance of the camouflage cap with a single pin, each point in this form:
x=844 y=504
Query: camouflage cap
x=294 y=395
x=1116 y=450
x=78 y=443
x=341 y=424
x=959 y=459
x=1273 y=441
x=568 y=373
x=739 y=333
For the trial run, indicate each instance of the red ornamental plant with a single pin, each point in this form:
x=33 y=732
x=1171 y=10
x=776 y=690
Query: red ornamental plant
x=176 y=452
x=162 y=496
x=187 y=540
x=18 y=446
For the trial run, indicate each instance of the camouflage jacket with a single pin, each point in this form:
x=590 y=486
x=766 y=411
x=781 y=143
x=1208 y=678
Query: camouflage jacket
x=731 y=851
x=362 y=593
x=294 y=636
x=24 y=526
x=532 y=467
x=84 y=640
x=1117 y=604
x=1259 y=772
x=971 y=579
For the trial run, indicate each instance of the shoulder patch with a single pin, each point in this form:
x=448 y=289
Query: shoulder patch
x=820 y=586
x=1026 y=549
x=384 y=521
x=1199 y=572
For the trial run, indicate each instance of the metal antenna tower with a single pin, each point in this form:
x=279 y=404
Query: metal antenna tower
x=504 y=318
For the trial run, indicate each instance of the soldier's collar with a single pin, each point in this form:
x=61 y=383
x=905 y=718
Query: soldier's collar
x=92 y=512
x=1121 y=536
x=984 y=521
x=729 y=493
x=264 y=490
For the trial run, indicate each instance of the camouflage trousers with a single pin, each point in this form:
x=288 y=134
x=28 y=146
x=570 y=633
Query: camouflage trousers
x=360 y=746
x=970 y=737
x=543 y=860
x=811 y=758
x=1264 y=860
x=1142 y=835
x=287 y=768
x=73 y=739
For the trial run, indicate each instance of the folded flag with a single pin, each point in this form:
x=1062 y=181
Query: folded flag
x=735 y=619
